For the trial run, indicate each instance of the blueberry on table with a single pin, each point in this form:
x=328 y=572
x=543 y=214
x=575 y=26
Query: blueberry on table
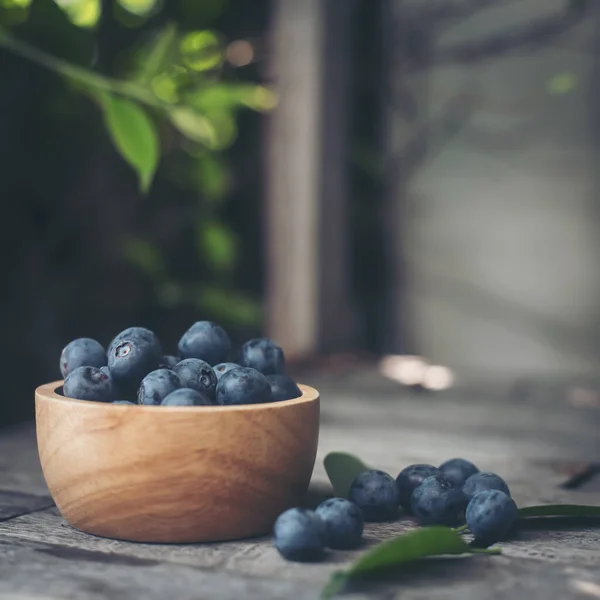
x=376 y=494
x=197 y=375
x=223 y=368
x=88 y=383
x=479 y=482
x=262 y=354
x=410 y=478
x=156 y=386
x=123 y=402
x=299 y=535
x=490 y=516
x=82 y=352
x=207 y=341
x=344 y=523
x=132 y=355
x=283 y=388
x=243 y=386
x=186 y=397
x=437 y=501
x=168 y=362
x=457 y=470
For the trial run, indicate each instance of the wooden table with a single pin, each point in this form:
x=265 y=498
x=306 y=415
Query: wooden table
x=532 y=438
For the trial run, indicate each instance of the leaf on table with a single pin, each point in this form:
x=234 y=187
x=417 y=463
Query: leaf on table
x=559 y=510
x=414 y=545
x=133 y=134
x=341 y=469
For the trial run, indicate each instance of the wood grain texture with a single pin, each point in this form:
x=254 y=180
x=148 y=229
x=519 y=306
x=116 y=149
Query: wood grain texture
x=44 y=571
x=175 y=474
x=565 y=554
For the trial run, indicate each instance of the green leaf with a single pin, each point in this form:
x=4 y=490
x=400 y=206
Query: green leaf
x=223 y=96
x=140 y=8
x=228 y=305
x=145 y=257
x=218 y=244
x=157 y=55
x=562 y=83
x=192 y=124
x=216 y=131
x=9 y=4
x=134 y=136
x=551 y=510
x=209 y=175
x=341 y=469
x=559 y=510
x=414 y=545
x=201 y=50
x=83 y=13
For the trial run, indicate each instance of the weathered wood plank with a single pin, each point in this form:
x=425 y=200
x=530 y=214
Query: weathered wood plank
x=40 y=570
x=530 y=443
x=14 y=504
x=44 y=543
x=20 y=469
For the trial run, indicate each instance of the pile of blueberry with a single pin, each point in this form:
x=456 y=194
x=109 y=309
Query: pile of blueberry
x=134 y=370
x=450 y=494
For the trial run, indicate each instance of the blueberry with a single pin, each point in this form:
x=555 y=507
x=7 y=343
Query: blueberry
x=299 y=535
x=132 y=355
x=490 y=516
x=344 y=523
x=207 y=341
x=375 y=492
x=437 y=501
x=168 y=362
x=457 y=470
x=123 y=402
x=243 y=386
x=484 y=481
x=82 y=352
x=264 y=355
x=283 y=388
x=156 y=386
x=410 y=478
x=88 y=383
x=119 y=390
x=186 y=397
x=223 y=368
x=197 y=375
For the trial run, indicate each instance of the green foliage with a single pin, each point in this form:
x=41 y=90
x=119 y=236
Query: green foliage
x=407 y=548
x=171 y=92
x=133 y=134
x=82 y=13
x=217 y=244
x=169 y=73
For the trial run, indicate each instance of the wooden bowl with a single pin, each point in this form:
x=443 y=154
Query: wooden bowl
x=175 y=474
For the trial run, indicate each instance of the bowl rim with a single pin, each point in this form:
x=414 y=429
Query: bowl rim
x=47 y=393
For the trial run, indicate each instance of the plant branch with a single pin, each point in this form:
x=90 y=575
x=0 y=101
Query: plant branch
x=79 y=74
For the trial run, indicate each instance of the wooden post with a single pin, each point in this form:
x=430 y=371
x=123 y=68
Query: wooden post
x=308 y=296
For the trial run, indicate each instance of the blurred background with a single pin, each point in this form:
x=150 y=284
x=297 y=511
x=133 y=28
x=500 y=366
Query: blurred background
x=406 y=185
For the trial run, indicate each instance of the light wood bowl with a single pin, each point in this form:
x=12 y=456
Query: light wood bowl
x=175 y=474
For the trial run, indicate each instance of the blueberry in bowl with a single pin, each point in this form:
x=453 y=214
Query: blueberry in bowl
x=177 y=467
